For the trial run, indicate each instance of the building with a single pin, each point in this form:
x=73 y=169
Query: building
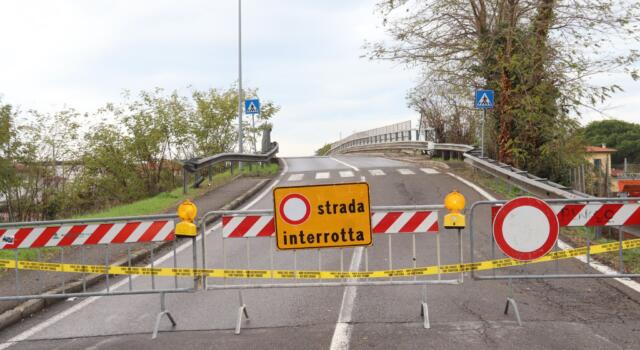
x=600 y=157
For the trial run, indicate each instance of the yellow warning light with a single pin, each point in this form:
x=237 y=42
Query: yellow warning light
x=187 y=212
x=454 y=202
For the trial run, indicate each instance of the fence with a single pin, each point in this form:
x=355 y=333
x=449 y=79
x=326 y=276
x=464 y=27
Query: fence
x=134 y=237
x=245 y=233
x=591 y=212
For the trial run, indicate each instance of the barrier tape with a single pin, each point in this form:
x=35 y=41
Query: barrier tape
x=290 y=274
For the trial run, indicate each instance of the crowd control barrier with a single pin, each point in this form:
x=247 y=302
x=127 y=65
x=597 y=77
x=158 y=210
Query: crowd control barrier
x=246 y=251
x=510 y=263
x=86 y=247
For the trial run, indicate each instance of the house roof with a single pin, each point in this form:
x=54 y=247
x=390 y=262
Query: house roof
x=596 y=149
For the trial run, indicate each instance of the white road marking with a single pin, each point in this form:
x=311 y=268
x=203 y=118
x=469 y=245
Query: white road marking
x=406 y=172
x=342 y=332
x=345 y=164
x=322 y=175
x=429 y=171
x=346 y=173
x=376 y=172
x=296 y=177
x=562 y=245
x=58 y=317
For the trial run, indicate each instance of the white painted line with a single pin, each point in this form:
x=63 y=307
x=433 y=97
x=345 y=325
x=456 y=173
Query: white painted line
x=323 y=175
x=406 y=172
x=296 y=177
x=342 y=332
x=376 y=172
x=346 y=173
x=429 y=171
x=58 y=317
x=562 y=245
x=345 y=164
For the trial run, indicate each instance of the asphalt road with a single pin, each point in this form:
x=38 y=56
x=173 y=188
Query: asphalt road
x=559 y=314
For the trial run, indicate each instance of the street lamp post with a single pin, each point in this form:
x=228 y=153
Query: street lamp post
x=240 y=148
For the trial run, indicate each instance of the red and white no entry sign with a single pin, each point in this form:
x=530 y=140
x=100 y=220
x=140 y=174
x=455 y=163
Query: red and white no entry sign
x=525 y=228
x=295 y=209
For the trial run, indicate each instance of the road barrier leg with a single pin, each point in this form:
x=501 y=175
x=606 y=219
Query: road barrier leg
x=241 y=310
x=163 y=311
x=514 y=304
x=424 y=310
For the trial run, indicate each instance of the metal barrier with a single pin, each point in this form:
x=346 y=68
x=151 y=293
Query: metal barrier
x=245 y=233
x=587 y=212
x=51 y=240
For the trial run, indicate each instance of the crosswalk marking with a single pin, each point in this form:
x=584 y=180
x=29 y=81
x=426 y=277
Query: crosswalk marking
x=406 y=171
x=429 y=171
x=346 y=173
x=376 y=172
x=323 y=175
x=296 y=177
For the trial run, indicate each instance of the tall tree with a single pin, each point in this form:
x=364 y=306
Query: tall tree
x=536 y=54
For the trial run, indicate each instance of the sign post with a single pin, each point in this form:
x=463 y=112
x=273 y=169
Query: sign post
x=324 y=216
x=253 y=107
x=484 y=100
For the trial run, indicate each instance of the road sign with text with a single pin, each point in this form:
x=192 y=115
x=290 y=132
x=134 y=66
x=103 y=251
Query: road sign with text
x=324 y=216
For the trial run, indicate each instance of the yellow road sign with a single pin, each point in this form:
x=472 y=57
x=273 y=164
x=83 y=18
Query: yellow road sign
x=322 y=216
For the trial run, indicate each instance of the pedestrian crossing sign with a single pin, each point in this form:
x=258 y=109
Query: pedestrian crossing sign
x=252 y=106
x=484 y=99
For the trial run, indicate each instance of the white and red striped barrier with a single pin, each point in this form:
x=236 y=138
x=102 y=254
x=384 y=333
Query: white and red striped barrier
x=381 y=222
x=87 y=234
x=593 y=214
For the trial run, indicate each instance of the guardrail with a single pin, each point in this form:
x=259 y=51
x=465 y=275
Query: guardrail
x=411 y=139
x=194 y=165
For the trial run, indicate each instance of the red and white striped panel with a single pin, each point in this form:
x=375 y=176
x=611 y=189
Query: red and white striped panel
x=612 y=214
x=68 y=235
x=381 y=222
x=405 y=222
x=592 y=214
x=247 y=226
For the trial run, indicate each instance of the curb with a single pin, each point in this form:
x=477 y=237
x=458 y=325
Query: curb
x=29 y=307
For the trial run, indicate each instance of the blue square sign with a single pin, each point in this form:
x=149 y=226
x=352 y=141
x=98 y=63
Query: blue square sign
x=484 y=99
x=252 y=106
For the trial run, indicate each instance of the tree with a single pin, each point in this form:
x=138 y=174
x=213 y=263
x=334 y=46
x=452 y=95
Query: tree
x=618 y=134
x=324 y=150
x=536 y=54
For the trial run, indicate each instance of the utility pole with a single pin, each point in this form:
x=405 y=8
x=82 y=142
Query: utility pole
x=240 y=99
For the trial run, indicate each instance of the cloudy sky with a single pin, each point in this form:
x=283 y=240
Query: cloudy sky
x=303 y=55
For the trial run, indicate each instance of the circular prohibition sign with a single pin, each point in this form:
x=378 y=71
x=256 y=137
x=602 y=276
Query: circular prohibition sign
x=295 y=209
x=525 y=228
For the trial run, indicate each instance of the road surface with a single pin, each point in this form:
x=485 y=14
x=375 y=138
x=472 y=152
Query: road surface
x=566 y=314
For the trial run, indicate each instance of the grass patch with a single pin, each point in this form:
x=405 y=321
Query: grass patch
x=580 y=236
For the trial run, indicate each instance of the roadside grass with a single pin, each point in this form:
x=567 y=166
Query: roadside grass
x=153 y=205
x=576 y=236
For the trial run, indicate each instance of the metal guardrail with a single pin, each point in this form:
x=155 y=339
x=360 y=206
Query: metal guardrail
x=412 y=139
x=194 y=165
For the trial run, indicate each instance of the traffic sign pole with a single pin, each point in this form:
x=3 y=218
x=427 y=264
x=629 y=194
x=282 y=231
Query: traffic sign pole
x=484 y=119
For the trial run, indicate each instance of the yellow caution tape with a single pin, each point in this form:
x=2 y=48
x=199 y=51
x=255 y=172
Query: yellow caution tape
x=290 y=274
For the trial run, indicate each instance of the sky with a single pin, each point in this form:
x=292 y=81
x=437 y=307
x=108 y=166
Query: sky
x=305 y=56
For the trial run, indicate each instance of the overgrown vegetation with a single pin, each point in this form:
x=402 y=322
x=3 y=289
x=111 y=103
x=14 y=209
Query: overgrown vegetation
x=324 y=150
x=538 y=55
x=62 y=164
